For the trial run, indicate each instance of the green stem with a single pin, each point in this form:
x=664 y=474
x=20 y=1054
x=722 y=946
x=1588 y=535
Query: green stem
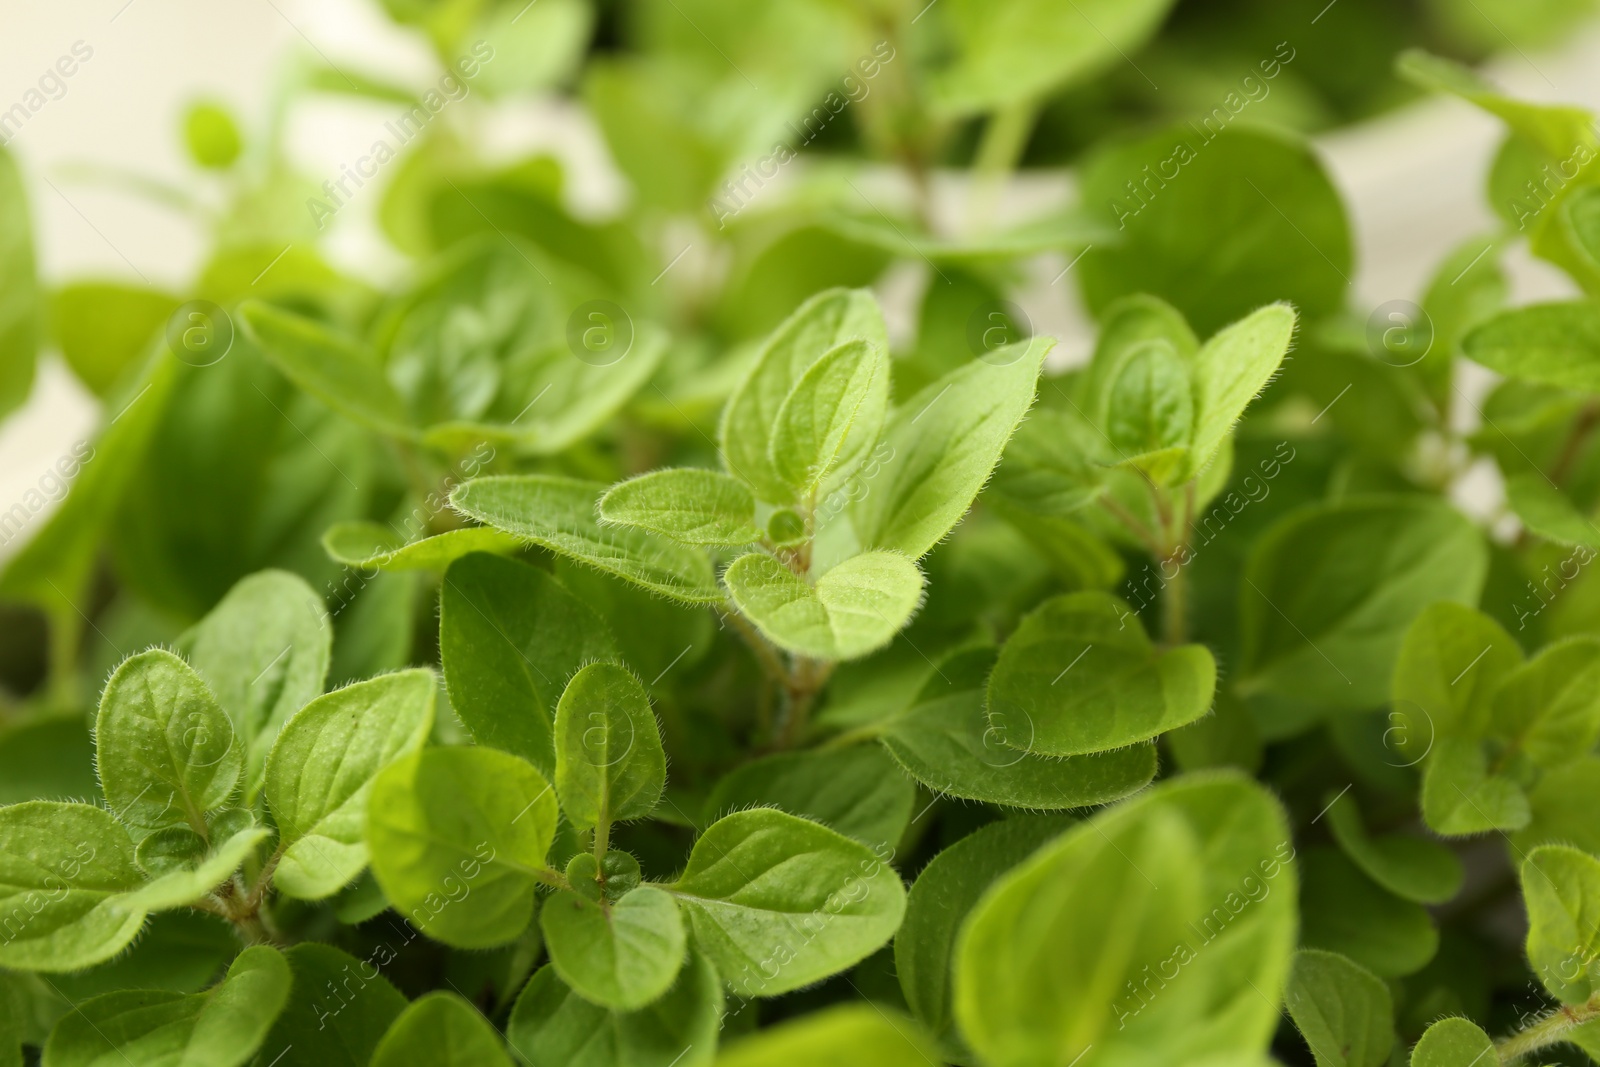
x=1550 y=1030
x=1004 y=138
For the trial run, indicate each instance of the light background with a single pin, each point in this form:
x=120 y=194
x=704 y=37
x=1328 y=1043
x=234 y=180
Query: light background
x=1412 y=180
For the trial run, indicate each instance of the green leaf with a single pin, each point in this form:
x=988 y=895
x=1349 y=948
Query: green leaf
x=1150 y=411
x=1407 y=866
x=1453 y=1042
x=847 y=1035
x=1461 y=797
x=510 y=637
x=842 y=397
x=1220 y=224
x=1079 y=676
x=944 y=739
x=1548 y=512
x=440 y=1028
x=1330 y=590
x=1230 y=370
x=54 y=570
x=221 y=1027
x=694 y=507
x=1343 y=1010
x=264 y=651
x=102 y=328
x=1160 y=929
x=1553 y=344
x=1549 y=707
x=855 y=608
x=858 y=791
x=939 y=902
x=777 y=902
x=551 y=1026
x=750 y=422
x=166 y=752
x=621 y=955
x=559 y=514
x=1556 y=129
x=373 y=545
x=1561 y=886
x=1344 y=911
x=20 y=307
x=1560 y=806
x=458 y=838
x=944 y=443
x=211 y=135
x=610 y=766
x=64 y=872
x=321 y=771
x=1451 y=662
x=334 y=369
x=339 y=1008
x=186 y=881
x=568 y=397
x=1018 y=51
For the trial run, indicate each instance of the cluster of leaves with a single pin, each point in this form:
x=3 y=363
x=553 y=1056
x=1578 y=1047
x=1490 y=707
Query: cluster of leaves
x=1202 y=726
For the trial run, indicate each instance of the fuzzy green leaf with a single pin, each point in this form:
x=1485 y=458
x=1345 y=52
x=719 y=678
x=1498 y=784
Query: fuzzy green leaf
x=1549 y=707
x=1232 y=367
x=1561 y=886
x=944 y=740
x=510 y=637
x=321 y=770
x=264 y=651
x=855 y=608
x=334 y=369
x=695 y=507
x=443 y=1030
x=1344 y=911
x=339 y=1008
x=750 y=420
x=1330 y=590
x=1407 y=866
x=842 y=397
x=166 y=752
x=186 y=882
x=373 y=545
x=551 y=1026
x=777 y=902
x=1079 y=676
x=1343 y=1010
x=457 y=838
x=1150 y=411
x=621 y=955
x=1451 y=662
x=1460 y=796
x=65 y=870
x=940 y=901
x=559 y=514
x=1454 y=1042
x=610 y=766
x=857 y=791
x=944 y=443
x=221 y=1027
x=1190 y=880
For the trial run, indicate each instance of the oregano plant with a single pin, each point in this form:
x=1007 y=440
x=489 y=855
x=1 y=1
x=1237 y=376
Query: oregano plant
x=718 y=630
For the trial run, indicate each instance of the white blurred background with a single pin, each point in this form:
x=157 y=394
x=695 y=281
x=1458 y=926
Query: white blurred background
x=1412 y=180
